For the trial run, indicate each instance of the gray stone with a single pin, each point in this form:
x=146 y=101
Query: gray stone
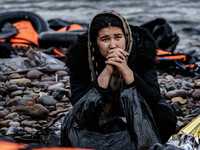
x=47 y=100
x=14 y=124
x=196 y=95
x=34 y=74
x=28 y=123
x=11 y=131
x=61 y=73
x=16 y=93
x=17 y=102
x=12 y=115
x=59 y=92
x=176 y=93
x=54 y=86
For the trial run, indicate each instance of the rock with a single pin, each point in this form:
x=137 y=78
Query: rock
x=37 y=90
x=187 y=84
x=180 y=124
x=1 y=108
x=196 y=111
x=42 y=122
x=48 y=79
x=30 y=130
x=47 y=100
x=22 y=80
x=191 y=105
x=15 y=76
x=54 y=86
x=196 y=95
x=18 y=101
x=5 y=123
x=170 y=86
x=2 y=77
x=11 y=131
x=197 y=83
x=65 y=99
x=66 y=78
x=38 y=111
x=34 y=74
x=12 y=115
x=61 y=73
x=1 y=97
x=4 y=113
x=14 y=87
x=59 y=92
x=50 y=108
x=180 y=99
x=169 y=77
x=4 y=130
x=3 y=92
x=189 y=92
x=176 y=93
x=14 y=124
x=16 y=93
x=28 y=123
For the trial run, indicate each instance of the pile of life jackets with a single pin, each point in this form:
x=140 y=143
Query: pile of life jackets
x=167 y=60
x=27 y=29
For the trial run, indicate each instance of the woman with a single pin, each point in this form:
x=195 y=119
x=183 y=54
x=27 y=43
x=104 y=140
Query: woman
x=108 y=65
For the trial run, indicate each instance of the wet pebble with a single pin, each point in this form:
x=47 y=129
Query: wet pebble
x=34 y=74
x=12 y=115
x=196 y=94
x=21 y=80
x=15 y=76
x=59 y=92
x=4 y=113
x=14 y=124
x=28 y=123
x=11 y=131
x=61 y=73
x=2 y=77
x=16 y=93
x=46 y=100
x=54 y=86
x=176 y=93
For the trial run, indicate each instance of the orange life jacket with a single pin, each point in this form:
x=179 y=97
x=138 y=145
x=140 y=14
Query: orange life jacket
x=27 y=36
x=162 y=55
x=70 y=28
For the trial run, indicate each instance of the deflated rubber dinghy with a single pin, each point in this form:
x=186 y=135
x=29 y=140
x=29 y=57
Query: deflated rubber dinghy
x=38 y=23
x=21 y=28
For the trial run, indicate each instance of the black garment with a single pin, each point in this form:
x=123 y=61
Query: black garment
x=141 y=61
x=116 y=134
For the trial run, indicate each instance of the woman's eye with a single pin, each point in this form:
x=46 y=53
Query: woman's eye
x=105 y=39
x=118 y=37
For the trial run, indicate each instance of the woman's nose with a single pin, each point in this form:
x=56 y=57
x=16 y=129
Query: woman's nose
x=112 y=44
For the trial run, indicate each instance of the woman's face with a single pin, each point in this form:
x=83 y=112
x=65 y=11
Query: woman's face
x=110 y=38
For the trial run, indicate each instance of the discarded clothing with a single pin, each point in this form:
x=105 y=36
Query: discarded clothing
x=34 y=60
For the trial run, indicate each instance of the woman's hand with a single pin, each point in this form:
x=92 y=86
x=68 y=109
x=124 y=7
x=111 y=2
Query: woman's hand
x=117 y=57
x=104 y=78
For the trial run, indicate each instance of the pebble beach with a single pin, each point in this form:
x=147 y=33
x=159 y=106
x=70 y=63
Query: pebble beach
x=33 y=101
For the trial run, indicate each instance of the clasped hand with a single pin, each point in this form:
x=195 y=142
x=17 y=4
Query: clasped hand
x=117 y=57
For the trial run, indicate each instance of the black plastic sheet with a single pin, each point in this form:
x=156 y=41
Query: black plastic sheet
x=141 y=131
